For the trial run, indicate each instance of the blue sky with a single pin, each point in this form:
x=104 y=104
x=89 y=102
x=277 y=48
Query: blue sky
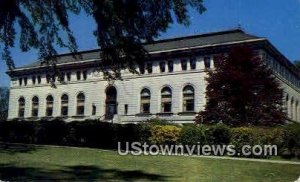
x=279 y=21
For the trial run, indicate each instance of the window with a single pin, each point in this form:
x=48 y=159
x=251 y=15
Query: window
x=207 y=62
x=126 y=109
x=49 y=106
x=149 y=68
x=64 y=105
x=33 y=80
x=39 y=79
x=62 y=77
x=162 y=67
x=78 y=75
x=69 y=76
x=170 y=66
x=166 y=100
x=94 y=109
x=84 y=73
x=188 y=98
x=193 y=63
x=48 y=78
x=80 y=104
x=21 y=112
x=183 y=64
x=35 y=106
x=145 y=100
x=20 y=81
x=142 y=68
x=25 y=81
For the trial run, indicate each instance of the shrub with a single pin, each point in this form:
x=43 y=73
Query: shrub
x=218 y=134
x=91 y=133
x=52 y=132
x=157 y=121
x=192 y=135
x=246 y=136
x=18 y=131
x=291 y=146
x=166 y=134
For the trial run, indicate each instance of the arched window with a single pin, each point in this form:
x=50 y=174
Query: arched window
x=166 y=100
x=80 y=104
x=35 y=106
x=64 y=105
x=188 y=98
x=49 y=105
x=145 y=100
x=21 y=112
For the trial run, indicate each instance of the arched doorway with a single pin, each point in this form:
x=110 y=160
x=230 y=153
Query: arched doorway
x=110 y=102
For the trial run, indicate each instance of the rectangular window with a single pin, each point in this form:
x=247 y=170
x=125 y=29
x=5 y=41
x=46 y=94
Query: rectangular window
x=149 y=68
x=207 y=62
x=69 y=76
x=170 y=66
x=78 y=75
x=162 y=67
x=193 y=63
x=25 y=81
x=33 y=80
x=48 y=78
x=94 y=109
x=20 y=81
x=39 y=79
x=62 y=77
x=183 y=64
x=142 y=68
x=84 y=73
x=126 y=109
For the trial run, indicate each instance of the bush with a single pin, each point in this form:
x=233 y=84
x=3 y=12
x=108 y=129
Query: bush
x=52 y=132
x=218 y=134
x=166 y=134
x=291 y=146
x=18 y=131
x=192 y=135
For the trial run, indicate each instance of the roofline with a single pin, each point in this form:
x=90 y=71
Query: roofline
x=160 y=41
x=153 y=52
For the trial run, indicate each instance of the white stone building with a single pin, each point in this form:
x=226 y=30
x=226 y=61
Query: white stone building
x=172 y=85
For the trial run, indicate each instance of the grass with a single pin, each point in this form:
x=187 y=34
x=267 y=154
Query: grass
x=27 y=163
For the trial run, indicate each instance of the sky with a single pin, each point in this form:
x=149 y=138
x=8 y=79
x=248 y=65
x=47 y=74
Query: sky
x=278 y=21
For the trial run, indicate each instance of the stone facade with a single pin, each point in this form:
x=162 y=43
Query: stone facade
x=172 y=86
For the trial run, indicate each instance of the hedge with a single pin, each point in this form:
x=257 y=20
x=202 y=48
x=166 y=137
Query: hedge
x=92 y=133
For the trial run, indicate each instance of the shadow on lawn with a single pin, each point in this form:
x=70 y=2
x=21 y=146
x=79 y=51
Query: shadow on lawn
x=17 y=148
x=11 y=172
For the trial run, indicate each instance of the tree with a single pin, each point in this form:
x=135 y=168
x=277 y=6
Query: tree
x=241 y=90
x=297 y=64
x=122 y=25
x=4 y=97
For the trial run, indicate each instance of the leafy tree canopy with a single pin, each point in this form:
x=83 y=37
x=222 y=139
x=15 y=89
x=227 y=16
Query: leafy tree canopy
x=122 y=25
x=242 y=90
x=4 y=97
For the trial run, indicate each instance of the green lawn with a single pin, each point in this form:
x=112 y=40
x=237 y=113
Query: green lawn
x=67 y=164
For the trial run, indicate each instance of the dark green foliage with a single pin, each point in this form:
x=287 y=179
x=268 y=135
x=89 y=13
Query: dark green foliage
x=218 y=134
x=52 y=132
x=18 y=131
x=92 y=133
x=291 y=146
x=121 y=27
x=191 y=135
x=4 y=98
